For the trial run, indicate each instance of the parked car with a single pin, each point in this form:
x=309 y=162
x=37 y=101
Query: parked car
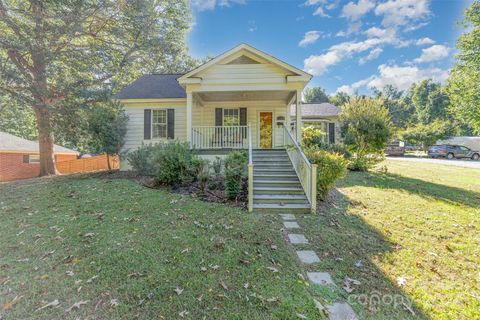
x=396 y=148
x=452 y=151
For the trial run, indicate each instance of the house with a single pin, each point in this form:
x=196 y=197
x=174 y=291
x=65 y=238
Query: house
x=241 y=99
x=20 y=159
x=324 y=116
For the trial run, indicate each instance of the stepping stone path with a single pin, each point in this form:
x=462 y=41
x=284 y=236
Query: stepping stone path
x=337 y=311
x=297 y=238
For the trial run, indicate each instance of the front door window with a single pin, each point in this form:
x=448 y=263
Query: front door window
x=266 y=130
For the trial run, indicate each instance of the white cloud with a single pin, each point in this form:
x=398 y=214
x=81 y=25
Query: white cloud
x=309 y=38
x=204 y=5
x=374 y=54
x=252 y=26
x=354 y=11
x=320 y=12
x=322 y=6
x=433 y=53
x=346 y=89
x=424 y=41
x=402 y=12
x=398 y=76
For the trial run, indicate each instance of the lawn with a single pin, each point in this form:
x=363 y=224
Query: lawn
x=120 y=250
x=408 y=232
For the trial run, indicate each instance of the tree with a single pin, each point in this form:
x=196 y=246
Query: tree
x=399 y=106
x=107 y=125
x=430 y=101
x=315 y=95
x=463 y=86
x=340 y=99
x=427 y=134
x=366 y=130
x=17 y=119
x=59 y=53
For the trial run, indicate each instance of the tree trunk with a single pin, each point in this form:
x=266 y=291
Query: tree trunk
x=45 y=142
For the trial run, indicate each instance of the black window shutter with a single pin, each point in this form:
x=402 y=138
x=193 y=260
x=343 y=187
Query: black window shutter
x=147 y=124
x=218 y=117
x=243 y=116
x=26 y=158
x=331 y=132
x=171 y=123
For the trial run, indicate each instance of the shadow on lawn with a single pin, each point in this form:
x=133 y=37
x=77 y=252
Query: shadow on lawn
x=416 y=186
x=347 y=247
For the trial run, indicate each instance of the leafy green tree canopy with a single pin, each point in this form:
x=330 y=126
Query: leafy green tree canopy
x=315 y=95
x=464 y=82
x=59 y=53
x=430 y=101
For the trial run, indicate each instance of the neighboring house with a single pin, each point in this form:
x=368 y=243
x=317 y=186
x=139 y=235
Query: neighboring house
x=241 y=99
x=324 y=116
x=20 y=159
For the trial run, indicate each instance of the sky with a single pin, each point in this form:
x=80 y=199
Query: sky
x=349 y=46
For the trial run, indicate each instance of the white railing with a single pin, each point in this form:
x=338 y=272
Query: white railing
x=250 y=169
x=216 y=137
x=306 y=172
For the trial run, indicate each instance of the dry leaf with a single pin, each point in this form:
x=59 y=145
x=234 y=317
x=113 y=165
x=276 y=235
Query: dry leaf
x=54 y=303
x=178 y=290
x=69 y=273
x=224 y=285
x=274 y=270
x=183 y=313
x=246 y=285
x=91 y=279
x=9 y=305
x=89 y=235
x=301 y=316
x=76 y=305
x=113 y=302
x=401 y=281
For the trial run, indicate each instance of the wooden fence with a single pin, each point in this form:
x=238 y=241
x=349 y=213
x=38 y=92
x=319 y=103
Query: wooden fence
x=97 y=163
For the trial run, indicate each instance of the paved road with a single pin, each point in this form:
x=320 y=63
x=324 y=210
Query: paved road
x=458 y=163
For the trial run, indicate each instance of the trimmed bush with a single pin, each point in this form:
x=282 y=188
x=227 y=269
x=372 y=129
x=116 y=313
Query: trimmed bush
x=175 y=163
x=312 y=136
x=235 y=171
x=141 y=160
x=331 y=167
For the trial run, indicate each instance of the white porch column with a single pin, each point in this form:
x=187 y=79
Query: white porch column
x=288 y=119
x=298 y=112
x=189 y=117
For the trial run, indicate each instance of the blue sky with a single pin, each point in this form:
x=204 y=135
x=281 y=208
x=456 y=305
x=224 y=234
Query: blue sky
x=348 y=46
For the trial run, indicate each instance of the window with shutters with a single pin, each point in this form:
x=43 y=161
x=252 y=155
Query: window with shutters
x=231 y=117
x=159 y=123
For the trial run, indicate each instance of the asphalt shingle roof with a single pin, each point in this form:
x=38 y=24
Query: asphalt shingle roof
x=153 y=86
x=318 y=110
x=9 y=142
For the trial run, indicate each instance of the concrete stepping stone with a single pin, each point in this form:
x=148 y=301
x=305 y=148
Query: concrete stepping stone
x=320 y=278
x=308 y=256
x=287 y=216
x=296 y=238
x=341 y=311
x=291 y=225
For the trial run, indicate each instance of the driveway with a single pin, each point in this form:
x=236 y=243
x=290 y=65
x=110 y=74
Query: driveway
x=455 y=162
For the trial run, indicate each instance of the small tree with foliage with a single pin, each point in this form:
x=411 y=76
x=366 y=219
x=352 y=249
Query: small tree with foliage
x=366 y=130
x=107 y=126
x=315 y=95
x=426 y=135
x=340 y=99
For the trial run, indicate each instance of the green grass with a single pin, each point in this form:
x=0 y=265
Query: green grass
x=417 y=221
x=145 y=244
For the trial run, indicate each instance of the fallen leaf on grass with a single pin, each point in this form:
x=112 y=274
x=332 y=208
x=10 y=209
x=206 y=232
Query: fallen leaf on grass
x=359 y=264
x=246 y=285
x=114 y=303
x=47 y=254
x=89 y=235
x=76 y=305
x=224 y=285
x=69 y=273
x=319 y=306
x=54 y=303
x=9 y=305
x=91 y=279
x=301 y=316
x=183 y=313
x=401 y=281
x=274 y=270
x=272 y=299
x=178 y=290
x=348 y=282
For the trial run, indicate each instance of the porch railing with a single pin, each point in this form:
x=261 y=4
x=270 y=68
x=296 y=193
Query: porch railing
x=250 y=169
x=216 y=137
x=306 y=171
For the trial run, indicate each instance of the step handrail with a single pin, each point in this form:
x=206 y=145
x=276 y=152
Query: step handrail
x=250 y=169
x=306 y=171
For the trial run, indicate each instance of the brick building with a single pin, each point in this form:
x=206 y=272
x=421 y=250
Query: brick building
x=20 y=159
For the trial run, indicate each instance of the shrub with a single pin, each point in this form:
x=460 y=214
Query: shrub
x=141 y=160
x=330 y=168
x=312 y=136
x=175 y=163
x=364 y=163
x=235 y=171
x=366 y=130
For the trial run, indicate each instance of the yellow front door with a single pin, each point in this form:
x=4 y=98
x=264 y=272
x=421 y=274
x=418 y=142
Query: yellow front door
x=266 y=130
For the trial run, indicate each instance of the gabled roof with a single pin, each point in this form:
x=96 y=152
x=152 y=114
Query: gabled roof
x=318 y=110
x=153 y=86
x=11 y=143
x=249 y=49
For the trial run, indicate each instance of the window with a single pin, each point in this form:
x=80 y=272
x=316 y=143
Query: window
x=159 y=123
x=31 y=158
x=231 y=117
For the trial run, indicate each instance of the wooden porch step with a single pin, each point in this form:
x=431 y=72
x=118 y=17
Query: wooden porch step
x=280 y=198
x=277 y=190
x=271 y=207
